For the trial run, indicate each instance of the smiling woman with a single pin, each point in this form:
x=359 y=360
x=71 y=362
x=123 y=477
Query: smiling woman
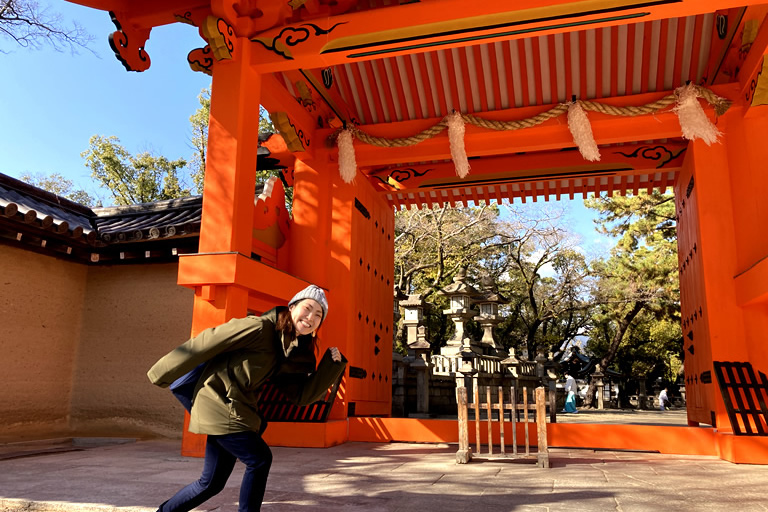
x=222 y=372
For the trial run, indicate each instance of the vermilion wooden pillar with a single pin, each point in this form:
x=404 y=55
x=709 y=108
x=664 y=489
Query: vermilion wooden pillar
x=747 y=153
x=229 y=190
x=229 y=178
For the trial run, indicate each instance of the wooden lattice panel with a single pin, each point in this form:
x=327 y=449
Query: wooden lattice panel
x=745 y=396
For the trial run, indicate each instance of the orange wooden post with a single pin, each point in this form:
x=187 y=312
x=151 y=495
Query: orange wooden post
x=311 y=234
x=313 y=259
x=229 y=189
x=713 y=325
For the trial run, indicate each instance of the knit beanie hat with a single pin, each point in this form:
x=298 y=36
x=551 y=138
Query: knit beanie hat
x=312 y=292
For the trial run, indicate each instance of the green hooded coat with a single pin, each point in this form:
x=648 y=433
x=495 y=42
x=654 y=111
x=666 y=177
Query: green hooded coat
x=241 y=356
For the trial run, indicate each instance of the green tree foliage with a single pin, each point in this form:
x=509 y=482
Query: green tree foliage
x=28 y=25
x=199 y=125
x=133 y=179
x=637 y=293
x=61 y=186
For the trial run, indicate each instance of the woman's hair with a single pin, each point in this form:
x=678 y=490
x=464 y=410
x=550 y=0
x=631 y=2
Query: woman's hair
x=285 y=325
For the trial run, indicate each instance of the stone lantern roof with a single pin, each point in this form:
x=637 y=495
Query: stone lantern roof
x=413 y=300
x=490 y=292
x=459 y=287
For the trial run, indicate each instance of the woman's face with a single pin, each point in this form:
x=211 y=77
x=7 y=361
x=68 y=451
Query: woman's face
x=306 y=316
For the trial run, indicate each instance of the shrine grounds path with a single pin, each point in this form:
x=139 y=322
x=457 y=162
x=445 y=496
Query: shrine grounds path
x=120 y=474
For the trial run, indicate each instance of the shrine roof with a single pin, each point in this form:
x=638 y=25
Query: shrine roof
x=40 y=220
x=392 y=71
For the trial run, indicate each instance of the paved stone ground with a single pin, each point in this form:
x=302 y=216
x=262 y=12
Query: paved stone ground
x=393 y=477
x=672 y=417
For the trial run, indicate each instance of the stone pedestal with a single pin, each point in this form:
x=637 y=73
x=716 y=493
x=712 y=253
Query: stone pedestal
x=597 y=379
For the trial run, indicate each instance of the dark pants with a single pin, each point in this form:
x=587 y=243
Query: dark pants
x=221 y=452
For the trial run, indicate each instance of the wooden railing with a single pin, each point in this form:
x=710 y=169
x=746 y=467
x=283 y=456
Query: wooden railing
x=539 y=407
x=451 y=365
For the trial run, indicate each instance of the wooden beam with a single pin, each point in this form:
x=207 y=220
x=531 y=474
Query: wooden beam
x=550 y=165
x=275 y=98
x=148 y=13
x=422 y=26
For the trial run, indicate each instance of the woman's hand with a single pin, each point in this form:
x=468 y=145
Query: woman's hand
x=335 y=354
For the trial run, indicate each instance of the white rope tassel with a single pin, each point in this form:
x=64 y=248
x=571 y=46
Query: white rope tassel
x=456 y=139
x=693 y=121
x=581 y=130
x=347 y=162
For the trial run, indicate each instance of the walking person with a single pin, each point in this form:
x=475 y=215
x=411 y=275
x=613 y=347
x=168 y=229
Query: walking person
x=570 y=394
x=663 y=400
x=217 y=375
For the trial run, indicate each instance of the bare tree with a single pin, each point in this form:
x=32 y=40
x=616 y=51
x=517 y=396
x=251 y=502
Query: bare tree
x=547 y=285
x=31 y=26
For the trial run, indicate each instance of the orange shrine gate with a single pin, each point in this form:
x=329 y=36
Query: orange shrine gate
x=386 y=104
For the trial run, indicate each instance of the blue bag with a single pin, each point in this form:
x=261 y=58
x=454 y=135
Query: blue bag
x=183 y=388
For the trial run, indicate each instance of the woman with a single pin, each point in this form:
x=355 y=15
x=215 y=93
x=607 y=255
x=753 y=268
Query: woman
x=233 y=360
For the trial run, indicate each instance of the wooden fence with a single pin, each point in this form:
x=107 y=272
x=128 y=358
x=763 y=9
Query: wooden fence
x=538 y=407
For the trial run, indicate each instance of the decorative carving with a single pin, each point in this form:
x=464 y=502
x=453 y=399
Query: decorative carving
x=292 y=36
x=305 y=96
x=220 y=36
x=327 y=77
x=128 y=44
x=186 y=17
x=270 y=217
x=201 y=59
x=401 y=175
x=658 y=153
x=295 y=139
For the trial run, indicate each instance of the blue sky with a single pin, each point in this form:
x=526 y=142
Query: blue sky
x=53 y=102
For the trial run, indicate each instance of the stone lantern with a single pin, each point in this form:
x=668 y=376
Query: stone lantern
x=489 y=301
x=413 y=308
x=398 y=296
x=460 y=295
x=597 y=379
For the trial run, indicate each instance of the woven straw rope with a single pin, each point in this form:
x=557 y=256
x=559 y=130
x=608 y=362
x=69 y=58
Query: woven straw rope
x=720 y=105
